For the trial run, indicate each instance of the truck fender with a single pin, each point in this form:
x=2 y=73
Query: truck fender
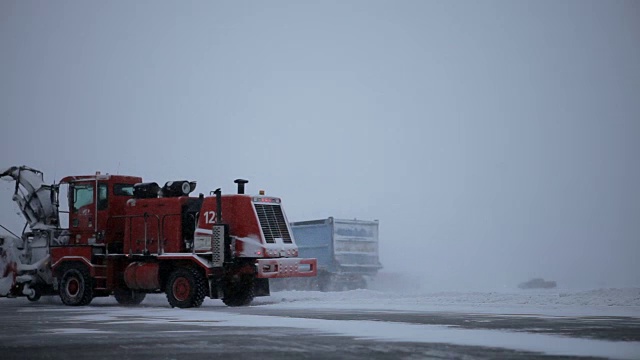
x=60 y=264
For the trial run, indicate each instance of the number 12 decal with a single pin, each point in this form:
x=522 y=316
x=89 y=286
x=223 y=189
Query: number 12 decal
x=209 y=217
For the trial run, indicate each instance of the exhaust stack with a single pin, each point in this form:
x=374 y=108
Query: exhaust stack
x=218 y=194
x=241 y=183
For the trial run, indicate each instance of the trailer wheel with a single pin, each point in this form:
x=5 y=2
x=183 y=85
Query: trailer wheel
x=76 y=287
x=362 y=283
x=238 y=290
x=185 y=288
x=128 y=297
x=323 y=281
x=358 y=283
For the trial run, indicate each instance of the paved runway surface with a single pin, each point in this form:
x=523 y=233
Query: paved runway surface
x=47 y=330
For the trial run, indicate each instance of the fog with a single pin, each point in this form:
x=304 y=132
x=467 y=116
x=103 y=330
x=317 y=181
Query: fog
x=495 y=141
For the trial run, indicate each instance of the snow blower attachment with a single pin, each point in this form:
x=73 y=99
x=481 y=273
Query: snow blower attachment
x=24 y=261
x=127 y=238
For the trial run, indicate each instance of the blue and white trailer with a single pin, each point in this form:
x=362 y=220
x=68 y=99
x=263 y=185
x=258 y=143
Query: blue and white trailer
x=347 y=253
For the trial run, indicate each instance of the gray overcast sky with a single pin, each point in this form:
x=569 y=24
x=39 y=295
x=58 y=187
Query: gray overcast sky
x=495 y=141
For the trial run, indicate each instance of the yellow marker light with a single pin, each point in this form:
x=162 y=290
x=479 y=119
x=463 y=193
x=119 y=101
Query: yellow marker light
x=261 y=192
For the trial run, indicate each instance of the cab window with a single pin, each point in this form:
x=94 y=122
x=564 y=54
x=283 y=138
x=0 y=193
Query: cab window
x=123 y=189
x=82 y=196
x=103 y=202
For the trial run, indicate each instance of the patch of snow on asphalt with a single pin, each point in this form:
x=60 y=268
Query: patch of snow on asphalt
x=67 y=331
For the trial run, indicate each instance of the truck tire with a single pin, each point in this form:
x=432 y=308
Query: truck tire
x=36 y=295
x=358 y=283
x=238 y=290
x=76 y=286
x=324 y=282
x=128 y=297
x=361 y=284
x=186 y=288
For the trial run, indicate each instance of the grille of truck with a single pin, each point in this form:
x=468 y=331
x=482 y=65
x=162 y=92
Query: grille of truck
x=273 y=223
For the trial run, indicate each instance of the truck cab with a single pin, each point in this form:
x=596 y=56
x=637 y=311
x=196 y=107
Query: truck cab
x=96 y=204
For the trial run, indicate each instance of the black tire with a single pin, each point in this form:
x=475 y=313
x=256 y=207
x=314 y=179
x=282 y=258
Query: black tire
x=128 y=297
x=358 y=283
x=186 y=288
x=238 y=290
x=36 y=295
x=324 y=282
x=76 y=286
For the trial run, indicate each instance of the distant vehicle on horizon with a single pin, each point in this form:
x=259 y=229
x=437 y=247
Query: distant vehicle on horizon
x=538 y=283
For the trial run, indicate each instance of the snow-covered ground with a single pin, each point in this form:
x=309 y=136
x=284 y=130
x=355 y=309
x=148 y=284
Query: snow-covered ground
x=597 y=302
x=536 y=303
x=600 y=302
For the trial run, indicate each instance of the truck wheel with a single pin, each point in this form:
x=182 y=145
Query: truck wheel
x=186 y=287
x=36 y=295
x=238 y=290
x=128 y=297
x=361 y=283
x=357 y=283
x=324 y=282
x=76 y=287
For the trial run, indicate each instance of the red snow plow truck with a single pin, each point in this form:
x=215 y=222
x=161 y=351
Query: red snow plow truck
x=125 y=237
